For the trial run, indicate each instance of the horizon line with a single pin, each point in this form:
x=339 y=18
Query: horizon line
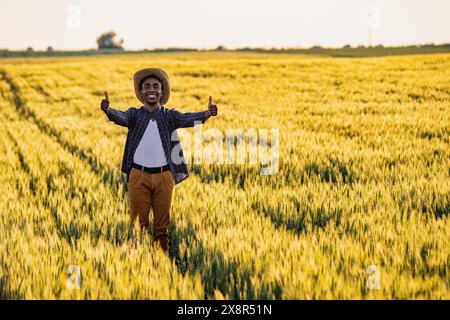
x=264 y=47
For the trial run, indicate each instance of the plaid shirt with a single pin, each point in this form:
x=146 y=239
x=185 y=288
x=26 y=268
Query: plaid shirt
x=168 y=121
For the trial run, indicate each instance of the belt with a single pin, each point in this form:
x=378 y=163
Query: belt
x=152 y=169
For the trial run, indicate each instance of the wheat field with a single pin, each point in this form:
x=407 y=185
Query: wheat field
x=363 y=180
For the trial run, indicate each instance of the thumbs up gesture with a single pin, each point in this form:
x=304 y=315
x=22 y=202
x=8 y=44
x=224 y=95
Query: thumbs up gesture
x=212 y=108
x=105 y=103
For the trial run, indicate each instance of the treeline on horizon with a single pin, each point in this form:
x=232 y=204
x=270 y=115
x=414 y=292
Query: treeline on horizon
x=345 y=51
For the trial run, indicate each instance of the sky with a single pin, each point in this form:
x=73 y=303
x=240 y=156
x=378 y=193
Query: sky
x=204 y=24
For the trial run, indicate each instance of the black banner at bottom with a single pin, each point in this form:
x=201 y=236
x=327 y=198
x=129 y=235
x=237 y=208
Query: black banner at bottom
x=227 y=309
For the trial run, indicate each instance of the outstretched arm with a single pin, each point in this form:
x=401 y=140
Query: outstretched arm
x=188 y=119
x=121 y=118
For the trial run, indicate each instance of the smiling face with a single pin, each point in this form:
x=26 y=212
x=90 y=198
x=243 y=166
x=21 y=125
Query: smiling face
x=151 y=90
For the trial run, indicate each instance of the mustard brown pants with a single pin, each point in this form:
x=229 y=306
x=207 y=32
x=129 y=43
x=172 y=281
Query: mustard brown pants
x=151 y=190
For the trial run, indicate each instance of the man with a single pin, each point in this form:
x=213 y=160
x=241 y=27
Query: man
x=153 y=160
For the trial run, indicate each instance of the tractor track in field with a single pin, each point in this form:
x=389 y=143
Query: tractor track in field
x=101 y=170
x=214 y=264
x=70 y=234
x=32 y=186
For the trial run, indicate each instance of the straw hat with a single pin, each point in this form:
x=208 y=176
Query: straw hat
x=155 y=72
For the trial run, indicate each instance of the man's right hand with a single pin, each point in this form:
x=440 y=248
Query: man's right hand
x=105 y=103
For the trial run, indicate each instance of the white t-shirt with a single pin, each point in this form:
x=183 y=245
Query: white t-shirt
x=150 y=152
